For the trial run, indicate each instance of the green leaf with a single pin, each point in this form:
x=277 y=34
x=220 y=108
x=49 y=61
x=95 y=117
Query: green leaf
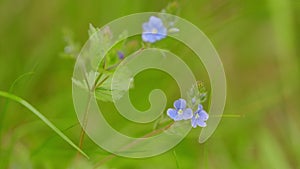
x=103 y=94
x=120 y=86
x=92 y=30
x=41 y=117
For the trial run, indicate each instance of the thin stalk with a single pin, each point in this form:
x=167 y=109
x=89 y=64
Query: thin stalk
x=85 y=116
x=82 y=133
x=101 y=82
x=111 y=156
x=176 y=159
x=91 y=90
x=229 y=115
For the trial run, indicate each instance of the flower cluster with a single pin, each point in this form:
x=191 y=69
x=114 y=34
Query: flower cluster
x=181 y=112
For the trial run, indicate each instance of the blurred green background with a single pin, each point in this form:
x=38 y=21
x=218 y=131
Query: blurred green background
x=258 y=42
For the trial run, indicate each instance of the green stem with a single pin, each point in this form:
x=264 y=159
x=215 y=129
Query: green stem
x=85 y=119
x=111 y=156
x=176 y=159
x=96 y=85
x=101 y=82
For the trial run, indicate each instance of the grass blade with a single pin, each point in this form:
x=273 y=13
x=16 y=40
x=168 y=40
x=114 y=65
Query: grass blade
x=2 y=115
x=42 y=117
x=176 y=159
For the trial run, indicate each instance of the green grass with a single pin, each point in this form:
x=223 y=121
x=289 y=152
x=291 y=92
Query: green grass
x=42 y=118
x=257 y=42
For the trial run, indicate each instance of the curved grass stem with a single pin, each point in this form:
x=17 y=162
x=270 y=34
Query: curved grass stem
x=41 y=117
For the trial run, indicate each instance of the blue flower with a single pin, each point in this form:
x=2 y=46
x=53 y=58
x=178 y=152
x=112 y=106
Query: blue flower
x=200 y=117
x=154 y=30
x=180 y=112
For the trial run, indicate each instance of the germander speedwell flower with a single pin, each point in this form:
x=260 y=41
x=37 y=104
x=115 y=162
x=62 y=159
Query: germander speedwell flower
x=180 y=112
x=154 y=30
x=199 y=118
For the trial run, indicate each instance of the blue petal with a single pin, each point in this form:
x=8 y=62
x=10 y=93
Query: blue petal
x=201 y=123
x=159 y=36
x=178 y=117
x=146 y=27
x=148 y=37
x=187 y=114
x=203 y=115
x=151 y=39
x=162 y=31
x=200 y=107
x=194 y=122
x=155 y=21
x=172 y=113
x=180 y=104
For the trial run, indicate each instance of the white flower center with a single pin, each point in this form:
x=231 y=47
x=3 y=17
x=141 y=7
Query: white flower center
x=180 y=111
x=154 y=31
